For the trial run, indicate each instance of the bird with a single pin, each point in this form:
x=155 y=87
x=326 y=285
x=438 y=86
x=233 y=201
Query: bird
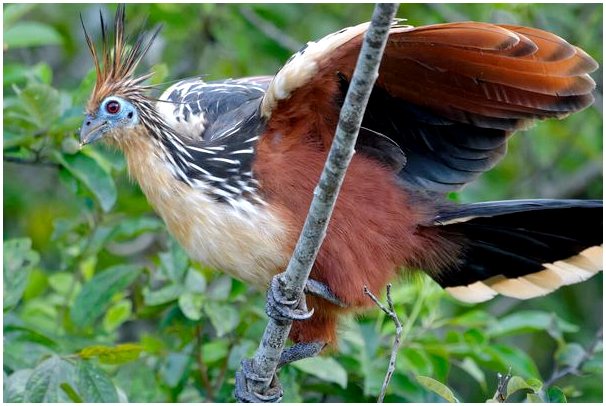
x=231 y=165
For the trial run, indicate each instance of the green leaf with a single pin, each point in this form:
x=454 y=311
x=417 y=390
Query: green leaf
x=40 y=106
x=18 y=261
x=96 y=294
x=44 y=384
x=528 y=321
x=555 y=395
x=61 y=282
x=14 y=386
x=519 y=361
x=223 y=317
x=13 y=12
x=195 y=281
x=30 y=34
x=119 y=354
x=174 y=262
x=91 y=174
x=219 y=288
x=191 y=305
x=214 y=351
x=94 y=384
x=163 y=295
x=517 y=383
x=471 y=367
x=71 y=392
x=324 y=368
x=117 y=314
x=438 y=388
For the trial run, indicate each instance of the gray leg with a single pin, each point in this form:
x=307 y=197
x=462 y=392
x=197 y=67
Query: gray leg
x=300 y=351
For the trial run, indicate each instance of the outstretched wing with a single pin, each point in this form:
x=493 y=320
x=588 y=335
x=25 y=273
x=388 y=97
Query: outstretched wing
x=447 y=98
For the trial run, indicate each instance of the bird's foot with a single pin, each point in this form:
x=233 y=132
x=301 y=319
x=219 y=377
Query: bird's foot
x=247 y=380
x=279 y=308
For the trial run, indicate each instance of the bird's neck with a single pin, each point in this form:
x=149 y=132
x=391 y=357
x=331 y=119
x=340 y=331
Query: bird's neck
x=249 y=247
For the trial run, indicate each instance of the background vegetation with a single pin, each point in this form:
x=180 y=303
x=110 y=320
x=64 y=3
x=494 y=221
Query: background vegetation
x=101 y=305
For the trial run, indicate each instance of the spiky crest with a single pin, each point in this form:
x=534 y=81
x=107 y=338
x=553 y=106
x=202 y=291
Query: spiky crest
x=116 y=65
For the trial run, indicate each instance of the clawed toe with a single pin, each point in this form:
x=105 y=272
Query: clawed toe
x=281 y=309
x=247 y=379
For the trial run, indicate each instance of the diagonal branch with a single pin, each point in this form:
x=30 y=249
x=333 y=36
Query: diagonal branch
x=294 y=278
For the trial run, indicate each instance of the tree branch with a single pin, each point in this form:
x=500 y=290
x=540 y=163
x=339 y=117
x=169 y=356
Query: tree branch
x=391 y=312
x=266 y=358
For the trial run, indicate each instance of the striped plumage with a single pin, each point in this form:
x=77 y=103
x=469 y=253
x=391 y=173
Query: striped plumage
x=231 y=165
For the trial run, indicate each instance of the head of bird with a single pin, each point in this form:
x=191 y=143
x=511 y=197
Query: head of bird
x=119 y=99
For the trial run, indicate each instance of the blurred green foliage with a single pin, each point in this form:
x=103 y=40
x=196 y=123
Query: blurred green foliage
x=100 y=305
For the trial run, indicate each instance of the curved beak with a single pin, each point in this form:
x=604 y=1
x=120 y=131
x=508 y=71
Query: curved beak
x=92 y=129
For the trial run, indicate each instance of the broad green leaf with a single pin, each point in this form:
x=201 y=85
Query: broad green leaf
x=18 y=261
x=14 y=386
x=215 y=351
x=219 y=288
x=117 y=314
x=519 y=361
x=191 y=305
x=195 y=281
x=96 y=294
x=223 y=317
x=175 y=367
x=163 y=295
x=555 y=395
x=324 y=368
x=41 y=105
x=13 y=12
x=61 y=282
x=517 y=383
x=119 y=354
x=471 y=367
x=98 y=181
x=414 y=361
x=438 y=388
x=174 y=262
x=94 y=385
x=30 y=34
x=527 y=321
x=44 y=384
x=473 y=318
x=131 y=227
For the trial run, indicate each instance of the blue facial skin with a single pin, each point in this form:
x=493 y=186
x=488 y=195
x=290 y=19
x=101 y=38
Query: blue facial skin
x=113 y=113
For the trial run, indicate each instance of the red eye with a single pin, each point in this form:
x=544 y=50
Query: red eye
x=112 y=107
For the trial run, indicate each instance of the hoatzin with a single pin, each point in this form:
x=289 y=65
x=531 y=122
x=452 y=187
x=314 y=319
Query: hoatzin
x=231 y=165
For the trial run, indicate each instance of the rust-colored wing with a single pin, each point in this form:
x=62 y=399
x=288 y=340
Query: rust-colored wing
x=446 y=99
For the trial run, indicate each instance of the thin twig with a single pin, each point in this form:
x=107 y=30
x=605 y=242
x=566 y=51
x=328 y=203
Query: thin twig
x=558 y=374
x=267 y=356
x=391 y=312
x=270 y=30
